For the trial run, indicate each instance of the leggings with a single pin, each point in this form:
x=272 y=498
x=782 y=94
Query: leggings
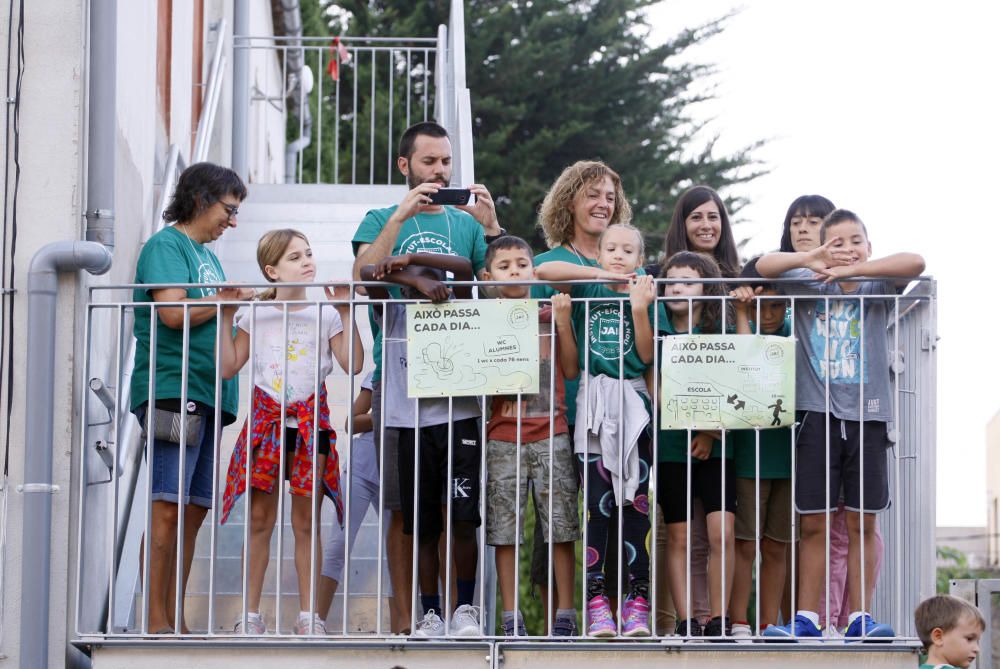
x=364 y=495
x=602 y=510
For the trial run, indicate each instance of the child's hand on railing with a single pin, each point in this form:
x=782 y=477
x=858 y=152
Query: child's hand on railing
x=338 y=293
x=231 y=295
x=641 y=291
x=391 y=264
x=562 y=307
x=743 y=297
x=433 y=290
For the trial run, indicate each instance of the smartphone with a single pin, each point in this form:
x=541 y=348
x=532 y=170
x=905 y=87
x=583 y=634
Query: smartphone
x=452 y=196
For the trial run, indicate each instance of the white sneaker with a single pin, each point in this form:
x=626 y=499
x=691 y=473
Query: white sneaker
x=831 y=632
x=742 y=633
x=465 y=621
x=304 y=628
x=255 y=626
x=430 y=626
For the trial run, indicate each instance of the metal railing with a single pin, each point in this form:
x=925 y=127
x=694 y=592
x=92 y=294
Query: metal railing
x=906 y=576
x=365 y=91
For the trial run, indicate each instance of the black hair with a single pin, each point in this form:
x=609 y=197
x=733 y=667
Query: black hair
x=836 y=217
x=803 y=205
x=199 y=187
x=749 y=271
x=707 y=268
x=504 y=243
x=676 y=239
x=409 y=138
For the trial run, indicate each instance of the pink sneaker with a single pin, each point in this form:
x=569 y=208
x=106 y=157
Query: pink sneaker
x=635 y=617
x=600 y=622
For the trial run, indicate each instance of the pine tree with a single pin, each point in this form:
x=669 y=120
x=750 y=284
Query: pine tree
x=555 y=81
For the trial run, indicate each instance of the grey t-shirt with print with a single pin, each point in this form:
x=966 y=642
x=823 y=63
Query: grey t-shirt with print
x=838 y=322
x=400 y=409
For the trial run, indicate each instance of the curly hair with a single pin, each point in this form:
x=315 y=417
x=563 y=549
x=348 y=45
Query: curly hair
x=555 y=215
x=199 y=187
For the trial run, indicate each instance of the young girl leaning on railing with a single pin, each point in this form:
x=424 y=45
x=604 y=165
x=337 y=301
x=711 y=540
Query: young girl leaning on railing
x=285 y=366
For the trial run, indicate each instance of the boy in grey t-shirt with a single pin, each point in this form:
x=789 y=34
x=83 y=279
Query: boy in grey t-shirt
x=843 y=349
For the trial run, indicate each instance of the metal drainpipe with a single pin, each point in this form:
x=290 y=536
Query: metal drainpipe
x=292 y=17
x=100 y=210
x=241 y=86
x=94 y=256
x=36 y=536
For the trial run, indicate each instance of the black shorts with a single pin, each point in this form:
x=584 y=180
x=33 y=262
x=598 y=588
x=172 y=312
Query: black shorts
x=465 y=471
x=706 y=485
x=844 y=468
x=291 y=435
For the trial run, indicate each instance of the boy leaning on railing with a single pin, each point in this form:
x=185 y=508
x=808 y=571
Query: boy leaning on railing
x=842 y=349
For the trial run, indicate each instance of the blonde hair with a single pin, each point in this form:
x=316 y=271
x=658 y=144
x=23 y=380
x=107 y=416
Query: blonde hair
x=555 y=216
x=270 y=249
x=625 y=226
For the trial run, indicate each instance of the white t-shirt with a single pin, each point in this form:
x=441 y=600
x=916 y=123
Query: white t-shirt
x=269 y=344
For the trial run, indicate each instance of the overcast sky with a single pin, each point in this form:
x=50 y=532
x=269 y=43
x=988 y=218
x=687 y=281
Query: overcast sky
x=890 y=109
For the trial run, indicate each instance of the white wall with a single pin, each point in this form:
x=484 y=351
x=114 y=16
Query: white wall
x=266 y=134
x=49 y=207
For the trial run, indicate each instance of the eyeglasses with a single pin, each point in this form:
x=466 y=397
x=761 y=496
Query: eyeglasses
x=231 y=210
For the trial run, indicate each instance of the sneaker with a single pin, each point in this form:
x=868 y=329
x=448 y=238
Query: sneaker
x=689 y=627
x=719 y=626
x=831 y=632
x=255 y=626
x=800 y=628
x=635 y=617
x=307 y=625
x=742 y=632
x=600 y=623
x=565 y=627
x=512 y=629
x=430 y=626
x=864 y=628
x=465 y=621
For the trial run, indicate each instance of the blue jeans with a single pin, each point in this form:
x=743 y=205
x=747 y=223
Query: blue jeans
x=199 y=458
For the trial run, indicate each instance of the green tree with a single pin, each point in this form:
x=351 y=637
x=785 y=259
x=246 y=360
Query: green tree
x=959 y=568
x=555 y=81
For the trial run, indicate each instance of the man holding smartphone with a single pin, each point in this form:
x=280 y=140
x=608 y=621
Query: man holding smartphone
x=423 y=223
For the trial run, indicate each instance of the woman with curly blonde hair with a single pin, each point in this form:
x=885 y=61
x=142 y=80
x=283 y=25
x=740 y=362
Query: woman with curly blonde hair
x=585 y=199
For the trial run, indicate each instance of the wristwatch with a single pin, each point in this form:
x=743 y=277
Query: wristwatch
x=492 y=238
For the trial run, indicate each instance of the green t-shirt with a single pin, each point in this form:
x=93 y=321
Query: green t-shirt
x=775 y=444
x=597 y=324
x=452 y=232
x=937 y=666
x=170 y=256
x=544 y=291
x=672 y=445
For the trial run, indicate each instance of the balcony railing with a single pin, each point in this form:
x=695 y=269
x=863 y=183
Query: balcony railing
x=217 y=591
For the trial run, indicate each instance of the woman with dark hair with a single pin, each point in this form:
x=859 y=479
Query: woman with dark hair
x=700 y=223
x=205 y=204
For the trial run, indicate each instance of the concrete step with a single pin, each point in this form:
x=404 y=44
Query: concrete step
x=228 y=609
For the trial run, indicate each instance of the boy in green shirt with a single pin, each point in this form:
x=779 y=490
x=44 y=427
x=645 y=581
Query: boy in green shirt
x=773 y=506
x=950 y=629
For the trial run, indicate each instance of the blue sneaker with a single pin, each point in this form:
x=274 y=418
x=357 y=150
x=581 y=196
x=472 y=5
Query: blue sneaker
x=864 y=628
x=800 y=628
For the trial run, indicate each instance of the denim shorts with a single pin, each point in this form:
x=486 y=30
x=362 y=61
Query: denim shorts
x=198 y=465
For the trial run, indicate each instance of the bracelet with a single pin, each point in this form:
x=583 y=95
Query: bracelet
x=492 y=238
